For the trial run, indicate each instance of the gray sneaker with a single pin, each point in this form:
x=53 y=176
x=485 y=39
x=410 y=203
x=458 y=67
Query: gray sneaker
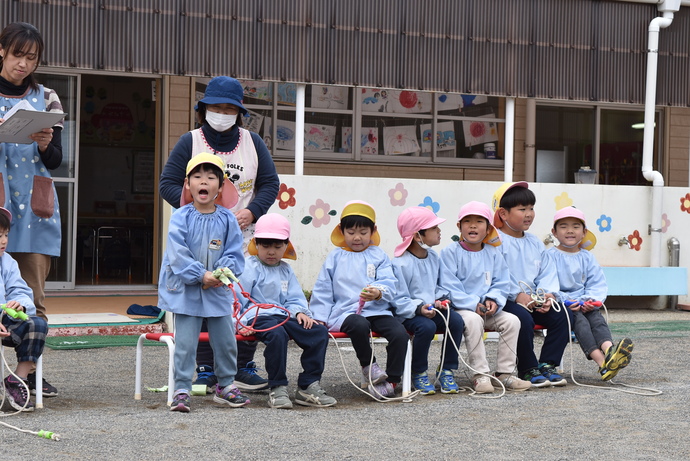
x=278 y=398
x=314 y=396
x=373 y=374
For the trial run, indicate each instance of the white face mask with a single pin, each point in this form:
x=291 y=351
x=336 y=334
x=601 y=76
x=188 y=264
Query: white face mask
x=422 y=244
x=220 y=122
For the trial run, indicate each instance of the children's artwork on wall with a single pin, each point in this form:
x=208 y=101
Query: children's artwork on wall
x=258 y=90
x=329 y=97
x=287 y=93
x=285 y=134
x=478 y=132
x=400 y=140
x=252 y=121
x=319 y=138
x=369 y=144
x=447 y=101
x=395 y=101
x=445 y=136
x=469 y=100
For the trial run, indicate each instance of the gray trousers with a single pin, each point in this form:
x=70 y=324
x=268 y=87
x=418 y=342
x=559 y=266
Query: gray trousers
x=591 y=330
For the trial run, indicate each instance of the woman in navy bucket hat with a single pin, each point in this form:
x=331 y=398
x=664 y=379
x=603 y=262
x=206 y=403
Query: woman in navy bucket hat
x=249 y=166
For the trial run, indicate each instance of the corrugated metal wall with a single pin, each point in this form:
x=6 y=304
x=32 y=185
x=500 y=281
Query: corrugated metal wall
x=587 y=50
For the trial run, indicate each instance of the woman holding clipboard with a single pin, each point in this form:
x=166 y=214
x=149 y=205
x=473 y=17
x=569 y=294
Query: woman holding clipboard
x=26 y=187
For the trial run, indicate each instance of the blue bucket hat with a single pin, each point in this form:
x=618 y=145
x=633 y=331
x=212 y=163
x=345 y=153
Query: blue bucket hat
x=224 y=90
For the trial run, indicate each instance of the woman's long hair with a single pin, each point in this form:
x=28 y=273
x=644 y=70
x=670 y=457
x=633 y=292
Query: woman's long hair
x=20 y=38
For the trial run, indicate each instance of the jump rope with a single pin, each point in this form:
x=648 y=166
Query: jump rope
x=4 y=310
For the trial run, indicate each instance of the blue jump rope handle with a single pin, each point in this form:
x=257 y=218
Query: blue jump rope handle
x=571 y=303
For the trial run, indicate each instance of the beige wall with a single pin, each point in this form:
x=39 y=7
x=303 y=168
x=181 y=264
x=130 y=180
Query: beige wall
x=678 y=146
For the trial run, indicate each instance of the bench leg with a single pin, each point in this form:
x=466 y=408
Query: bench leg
x=407 y=371
x=39 y=382
x=137 y=369
x=171 y=366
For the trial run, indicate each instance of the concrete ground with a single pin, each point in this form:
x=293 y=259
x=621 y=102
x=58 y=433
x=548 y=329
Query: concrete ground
x=97 y=417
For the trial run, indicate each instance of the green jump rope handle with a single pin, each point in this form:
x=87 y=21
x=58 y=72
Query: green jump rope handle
x=225 y=275
x=14 y=313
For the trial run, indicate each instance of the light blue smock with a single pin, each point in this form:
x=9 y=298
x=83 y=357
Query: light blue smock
x=471 y=277
x=276 y=285
x=199 y=242
x=527 y=262
x=343 y=276
x=417 y=283
x=579 y=274
x=29 y=192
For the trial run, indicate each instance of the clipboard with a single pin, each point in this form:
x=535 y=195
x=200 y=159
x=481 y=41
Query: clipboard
x=23 y=123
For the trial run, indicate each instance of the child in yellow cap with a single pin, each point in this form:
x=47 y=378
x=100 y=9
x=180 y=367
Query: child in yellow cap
x=352 y=294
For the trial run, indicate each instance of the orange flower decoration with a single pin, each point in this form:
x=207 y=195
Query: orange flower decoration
x=635 y=240
x=685 y=203
x=286 y=196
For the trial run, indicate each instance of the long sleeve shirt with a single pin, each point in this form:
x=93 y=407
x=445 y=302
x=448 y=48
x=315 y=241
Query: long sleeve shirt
x=417 y=283
x=579 y=274
x=527 y=263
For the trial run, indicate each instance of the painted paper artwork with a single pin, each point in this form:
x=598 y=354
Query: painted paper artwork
x=329 y=97
x=287 y=93
x=369 y=144
x=395 y=101
x=447 y=101
x=478 y=132
x=285 y=134
x=252 y=121
x=319 y=138
x=400 y=140
x=445 y=136
x=258 y=90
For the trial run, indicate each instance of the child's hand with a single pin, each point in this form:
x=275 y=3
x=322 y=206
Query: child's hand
x=481 y=309
x=428 y=311
x=3 y=331
x=370 y=293
x=525 y=300
x=491 y=307
x=209 y=281
x=304 y=320
x=442 y=305
x=544 y=308
x=15 y=305
x=573 y=305
x=245 y=331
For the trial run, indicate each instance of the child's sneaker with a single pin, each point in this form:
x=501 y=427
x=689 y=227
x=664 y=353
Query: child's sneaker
x=373 y=372
x=482 y=384
x=447 y=380
x=230 y=395
x=48 y=389
x=314 y=396
x=549 y=371
x=278 y=398
x=248 y=379
x=381 y=390
x=618 y=356
x=206 y=377
x=17 y=394
x=513 y=383
x=180 y=401
x=536 y=378
x=421 y=382
x=607 y=374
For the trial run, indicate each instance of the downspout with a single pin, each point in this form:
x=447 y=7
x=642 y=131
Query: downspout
x=300 y=99
x=648 y=172
x=510 y=140
x=530 y=139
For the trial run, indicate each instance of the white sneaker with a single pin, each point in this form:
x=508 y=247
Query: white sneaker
x=513 y=383
x=482 y=384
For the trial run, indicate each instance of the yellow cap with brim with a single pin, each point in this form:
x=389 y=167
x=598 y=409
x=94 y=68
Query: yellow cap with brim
x=498 y=195
x=227 y=197
x=355 y=208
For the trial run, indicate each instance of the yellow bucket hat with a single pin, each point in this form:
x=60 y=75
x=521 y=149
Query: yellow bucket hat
x=355 y=208
x=227 y=197
x=498 y=195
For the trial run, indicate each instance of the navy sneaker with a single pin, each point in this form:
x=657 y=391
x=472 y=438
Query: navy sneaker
x=206 y=377
x=247 y=379
x=535 y=377
x=48 y=389
x=549 y=371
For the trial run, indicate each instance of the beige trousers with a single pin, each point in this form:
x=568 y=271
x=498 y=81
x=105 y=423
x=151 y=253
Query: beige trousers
x=506 y=324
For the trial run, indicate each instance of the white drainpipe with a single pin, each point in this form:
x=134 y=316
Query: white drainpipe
x=648 y=171
x=300 y=97
x=510 y=140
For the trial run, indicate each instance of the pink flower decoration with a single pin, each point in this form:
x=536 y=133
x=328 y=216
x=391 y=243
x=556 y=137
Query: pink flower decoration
x=665 y=223
x=319 y=211
x=685 y=203
x=398 y=195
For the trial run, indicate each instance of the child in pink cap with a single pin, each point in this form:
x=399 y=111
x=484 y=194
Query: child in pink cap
x=418 y=298
x=583 y=289
x=475 y=274
x=353 y=292
x=270 y=280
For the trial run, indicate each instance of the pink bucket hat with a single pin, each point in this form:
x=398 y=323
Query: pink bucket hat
x=589 y=241
x=272 y=226
x=6 y=212
x=411 y=221
x=483 y=210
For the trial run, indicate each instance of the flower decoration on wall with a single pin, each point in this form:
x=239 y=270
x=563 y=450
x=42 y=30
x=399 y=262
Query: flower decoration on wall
x=604 y=223
x=665 y=223
x=563 y=201
x=286 y=196
x=685 y=203
x=398 y=195
x=319 y=214
x=635 y=240
x=430 y=204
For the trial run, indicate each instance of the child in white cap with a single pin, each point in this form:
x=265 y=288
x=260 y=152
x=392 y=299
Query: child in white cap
x=583 y=289
x=353 y=292
x=475 y=274
x=418 y=297
x=202 y=237
x=270 y=280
